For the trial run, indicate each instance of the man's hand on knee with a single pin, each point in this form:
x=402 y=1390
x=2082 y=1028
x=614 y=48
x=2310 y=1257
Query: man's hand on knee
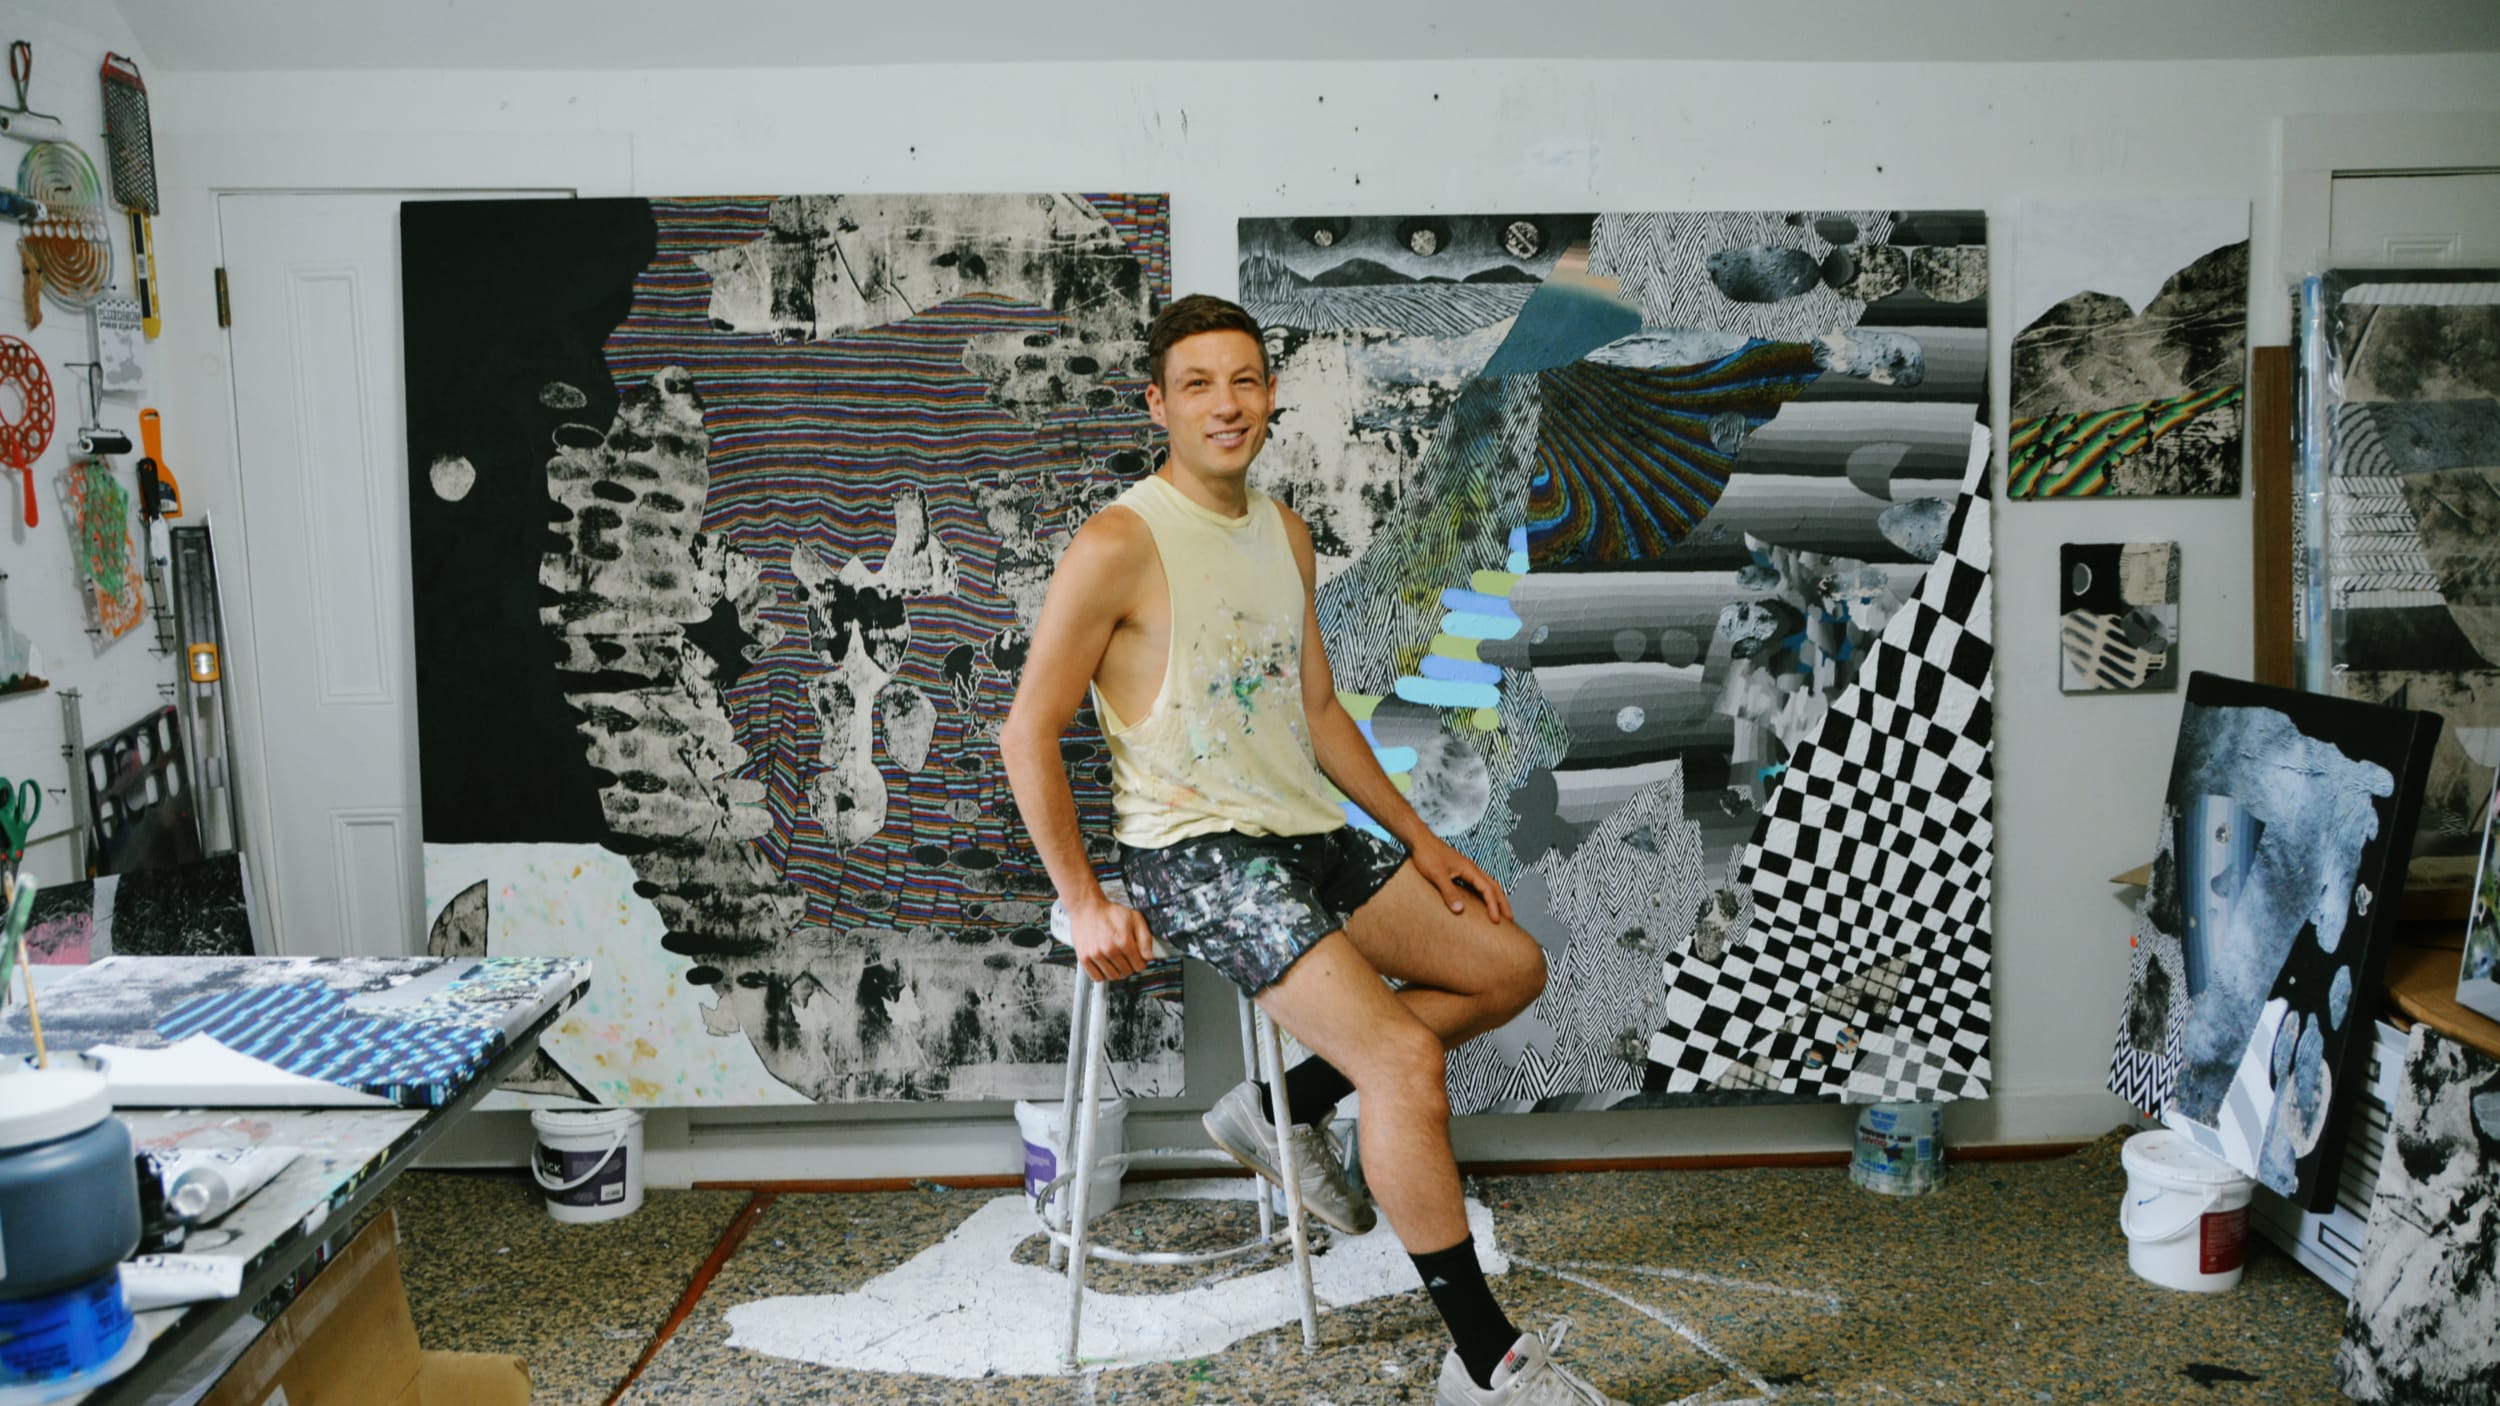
x=1458 y=878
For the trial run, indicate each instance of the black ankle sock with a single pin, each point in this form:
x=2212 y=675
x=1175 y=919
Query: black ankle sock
x=1314 y=1087
x=1477 y=1324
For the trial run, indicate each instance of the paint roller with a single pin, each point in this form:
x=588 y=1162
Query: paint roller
x=23 y=122
x=92 y=437
x=102 y=439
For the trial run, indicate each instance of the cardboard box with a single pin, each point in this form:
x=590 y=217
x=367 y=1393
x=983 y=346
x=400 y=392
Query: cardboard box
x=348 y=1340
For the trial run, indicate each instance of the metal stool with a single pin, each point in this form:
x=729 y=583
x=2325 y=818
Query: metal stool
x=1260 y=1050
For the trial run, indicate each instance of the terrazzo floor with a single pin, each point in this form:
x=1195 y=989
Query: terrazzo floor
x=1712 y=1288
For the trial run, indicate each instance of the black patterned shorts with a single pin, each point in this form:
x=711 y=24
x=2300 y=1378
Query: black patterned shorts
x=1249 y=905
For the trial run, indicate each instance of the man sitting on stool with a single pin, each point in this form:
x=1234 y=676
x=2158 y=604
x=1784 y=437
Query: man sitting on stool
x=1187 y=608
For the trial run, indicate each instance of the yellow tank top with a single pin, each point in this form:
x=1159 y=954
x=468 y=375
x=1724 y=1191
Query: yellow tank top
x=1226 y=745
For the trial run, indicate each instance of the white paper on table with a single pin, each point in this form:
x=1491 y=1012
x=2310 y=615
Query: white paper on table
x=199 y=1071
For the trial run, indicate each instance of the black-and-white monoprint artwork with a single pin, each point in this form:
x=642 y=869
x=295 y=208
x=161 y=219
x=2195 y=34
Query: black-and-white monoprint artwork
x=2424 y=1326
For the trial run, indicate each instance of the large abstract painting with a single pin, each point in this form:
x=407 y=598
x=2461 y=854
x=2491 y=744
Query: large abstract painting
x=2131 y=368
x=2262 y=937
x=1655 y=556
x=2400 y=572
x=2424 y=1325
x=731 y=519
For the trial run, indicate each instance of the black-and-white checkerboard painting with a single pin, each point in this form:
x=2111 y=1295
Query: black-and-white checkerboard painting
x=1864 y=972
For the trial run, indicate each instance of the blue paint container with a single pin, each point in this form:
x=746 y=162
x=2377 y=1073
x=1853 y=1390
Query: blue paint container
x=1899 y=1149
x=69 y=1214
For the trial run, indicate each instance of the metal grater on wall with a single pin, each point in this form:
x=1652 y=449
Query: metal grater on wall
x=129 y=145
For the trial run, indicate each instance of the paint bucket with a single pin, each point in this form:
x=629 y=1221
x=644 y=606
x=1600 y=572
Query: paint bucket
x=589 y=1162
x=1899 y=1149
x=1045 y=1137
x=2186 y=1214
x=69 y=1213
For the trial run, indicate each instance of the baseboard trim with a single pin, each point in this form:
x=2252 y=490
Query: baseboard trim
x=1549 y=1166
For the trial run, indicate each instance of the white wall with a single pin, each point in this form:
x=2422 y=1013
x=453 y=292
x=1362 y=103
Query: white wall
x=117 y=681
x=2079 y=779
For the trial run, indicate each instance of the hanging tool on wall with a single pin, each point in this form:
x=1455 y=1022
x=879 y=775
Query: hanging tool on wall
x=22 y=121
x=207 y=714
x=71 y=244
x=130 y=153
x=27 y=433
x=19 y=805
x=160 y=493
x=159 y=498
x=95 y=437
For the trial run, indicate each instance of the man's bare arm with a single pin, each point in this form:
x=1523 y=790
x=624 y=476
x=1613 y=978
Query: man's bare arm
x=1347 y=758
x=1089 y=595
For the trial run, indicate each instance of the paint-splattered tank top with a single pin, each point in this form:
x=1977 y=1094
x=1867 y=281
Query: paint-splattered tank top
x=1226 y=745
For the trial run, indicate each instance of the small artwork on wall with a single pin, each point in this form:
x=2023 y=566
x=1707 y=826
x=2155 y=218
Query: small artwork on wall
x=2118 y=617
x=2132 y=362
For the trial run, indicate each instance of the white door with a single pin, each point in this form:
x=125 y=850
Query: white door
x=314 y=287
x=2428 y=217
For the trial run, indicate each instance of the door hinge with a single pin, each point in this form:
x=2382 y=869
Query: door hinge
x=225 y=310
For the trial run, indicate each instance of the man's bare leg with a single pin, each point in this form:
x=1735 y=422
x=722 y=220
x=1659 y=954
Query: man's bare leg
x=1464 y=975
x=1334 y=1002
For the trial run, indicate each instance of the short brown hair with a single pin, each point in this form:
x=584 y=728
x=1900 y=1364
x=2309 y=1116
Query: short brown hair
x=1187 y=317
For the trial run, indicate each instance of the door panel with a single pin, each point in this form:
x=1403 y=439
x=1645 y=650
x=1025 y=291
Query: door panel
x=314 y=287
x=2447 y=217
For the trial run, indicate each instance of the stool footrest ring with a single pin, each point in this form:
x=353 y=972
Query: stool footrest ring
x=1268 y=1243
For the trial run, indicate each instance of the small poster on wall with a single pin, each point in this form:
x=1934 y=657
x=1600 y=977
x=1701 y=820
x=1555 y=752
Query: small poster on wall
x=2118 y=617
x=118 y=335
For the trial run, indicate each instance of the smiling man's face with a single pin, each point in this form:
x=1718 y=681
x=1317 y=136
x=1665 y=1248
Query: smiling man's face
x=1213 y=402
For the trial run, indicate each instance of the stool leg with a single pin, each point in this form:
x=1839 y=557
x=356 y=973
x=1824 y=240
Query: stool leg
x=1067 y=1095
x=1090 y=1026
x=1250 y=1070
x=1275 y=1061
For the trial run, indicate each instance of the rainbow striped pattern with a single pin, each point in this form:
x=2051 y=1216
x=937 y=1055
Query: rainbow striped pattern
x=2070 y=456
x=1628 y=459
x=811 y=444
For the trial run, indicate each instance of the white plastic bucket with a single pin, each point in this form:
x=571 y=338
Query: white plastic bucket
x=2186 y=1214
x=588 y=1162
x=1899 y=1149
x=1045 y=1143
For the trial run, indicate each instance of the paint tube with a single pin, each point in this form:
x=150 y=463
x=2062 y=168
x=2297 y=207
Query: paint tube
x=158 y=1230
x=163 y=1281
x=203 y=1183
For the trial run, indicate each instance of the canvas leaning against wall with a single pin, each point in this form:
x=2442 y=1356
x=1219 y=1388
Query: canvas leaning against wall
x=2478 y=974
x=2397 y=578
x=2262 y=938
x=2131 y=365
x=1654 y=553
x=2424 y=1323
x=731 y=518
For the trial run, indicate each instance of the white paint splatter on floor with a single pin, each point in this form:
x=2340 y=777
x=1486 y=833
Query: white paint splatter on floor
x=965 y=1308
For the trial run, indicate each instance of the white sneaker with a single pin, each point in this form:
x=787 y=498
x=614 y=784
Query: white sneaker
x=1526 y=1376
x=1239 y=1127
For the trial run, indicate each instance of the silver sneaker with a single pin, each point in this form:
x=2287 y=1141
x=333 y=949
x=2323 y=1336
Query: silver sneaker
x=1526 y=1376
x=1241 y=1127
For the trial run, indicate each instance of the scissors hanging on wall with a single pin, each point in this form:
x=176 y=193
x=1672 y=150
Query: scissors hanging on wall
x=20 y=804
